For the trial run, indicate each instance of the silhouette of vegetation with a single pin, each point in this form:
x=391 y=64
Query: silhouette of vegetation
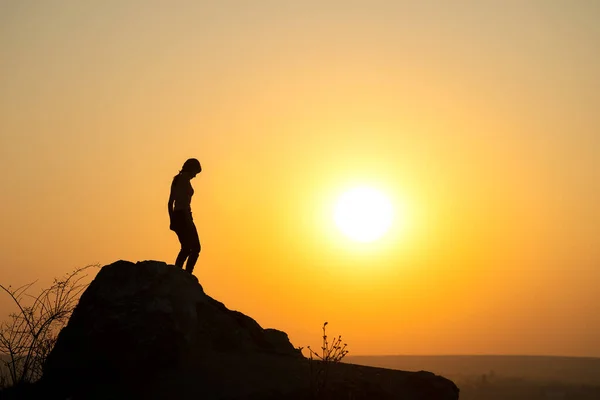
x=331 y=353
x=3 y=381
x=30 y=333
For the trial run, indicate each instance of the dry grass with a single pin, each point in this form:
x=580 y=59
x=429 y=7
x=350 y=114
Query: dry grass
x=29 y=334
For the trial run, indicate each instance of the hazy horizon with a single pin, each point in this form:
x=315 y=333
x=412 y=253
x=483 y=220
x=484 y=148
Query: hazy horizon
x=479 y=121
x=352 y=356
x=571 y=370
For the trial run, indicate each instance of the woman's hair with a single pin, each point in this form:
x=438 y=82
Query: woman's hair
x=191 y=165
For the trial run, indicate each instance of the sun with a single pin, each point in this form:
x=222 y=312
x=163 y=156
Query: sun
x=363 y=214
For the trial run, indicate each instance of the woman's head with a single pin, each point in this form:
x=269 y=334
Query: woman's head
x=192 y=167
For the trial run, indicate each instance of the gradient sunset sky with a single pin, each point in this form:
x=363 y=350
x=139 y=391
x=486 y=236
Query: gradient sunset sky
x=479 y=119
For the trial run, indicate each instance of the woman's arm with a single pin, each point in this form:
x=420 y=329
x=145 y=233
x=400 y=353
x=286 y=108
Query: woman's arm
x=172 y=196
x=171 y=202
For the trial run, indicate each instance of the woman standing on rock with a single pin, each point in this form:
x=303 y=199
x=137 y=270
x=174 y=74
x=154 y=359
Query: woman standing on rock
x=180 y=214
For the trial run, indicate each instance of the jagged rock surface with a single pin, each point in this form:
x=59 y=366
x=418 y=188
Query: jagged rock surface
x=148 y=330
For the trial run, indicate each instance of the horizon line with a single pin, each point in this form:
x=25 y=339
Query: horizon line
x=472 y=355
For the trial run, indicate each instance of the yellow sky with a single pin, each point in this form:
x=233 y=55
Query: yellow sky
x=479 y=119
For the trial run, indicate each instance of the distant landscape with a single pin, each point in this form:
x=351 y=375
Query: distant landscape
x=504 y=377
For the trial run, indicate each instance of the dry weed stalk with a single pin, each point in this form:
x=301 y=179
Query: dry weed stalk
x=30 y=333
x=331 y=353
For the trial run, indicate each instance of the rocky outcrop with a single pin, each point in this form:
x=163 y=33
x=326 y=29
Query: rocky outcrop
x=148 y=330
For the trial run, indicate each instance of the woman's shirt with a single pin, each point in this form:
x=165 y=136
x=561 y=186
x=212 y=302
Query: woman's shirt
x=182 y=193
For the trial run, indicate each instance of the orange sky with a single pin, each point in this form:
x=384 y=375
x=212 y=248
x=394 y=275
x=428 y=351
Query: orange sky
x=479 y=119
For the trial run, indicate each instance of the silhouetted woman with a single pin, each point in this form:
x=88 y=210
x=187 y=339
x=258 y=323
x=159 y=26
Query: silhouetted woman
x=180 y=214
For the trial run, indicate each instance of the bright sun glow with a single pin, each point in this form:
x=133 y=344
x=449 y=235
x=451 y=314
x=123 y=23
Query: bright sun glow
x=363 y=214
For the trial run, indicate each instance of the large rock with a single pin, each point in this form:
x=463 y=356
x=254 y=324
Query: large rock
x=148 y=330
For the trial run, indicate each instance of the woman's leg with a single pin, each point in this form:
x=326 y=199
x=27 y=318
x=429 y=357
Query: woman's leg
x=180 y=226
x=193 y=248
x=185 y=251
